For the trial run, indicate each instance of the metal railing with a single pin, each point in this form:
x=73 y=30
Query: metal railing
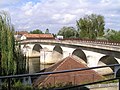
x=69 y=79
x=9 y=78
x=77 y=87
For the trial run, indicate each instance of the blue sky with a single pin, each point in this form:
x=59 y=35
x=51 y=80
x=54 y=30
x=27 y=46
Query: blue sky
x=54 y=14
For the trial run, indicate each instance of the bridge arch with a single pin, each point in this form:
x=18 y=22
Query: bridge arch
x=79 y=53
x=57 y=54
x=57 y=48
x=108 y=60
x=37 y=47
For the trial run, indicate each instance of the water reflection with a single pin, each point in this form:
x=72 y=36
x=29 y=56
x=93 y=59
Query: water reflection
x=34 y=65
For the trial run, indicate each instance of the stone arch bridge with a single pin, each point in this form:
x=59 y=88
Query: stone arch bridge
x=93 y=53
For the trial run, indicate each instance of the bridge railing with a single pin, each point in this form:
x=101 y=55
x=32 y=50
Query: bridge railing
x=87 y=41
x=106 y=42
x=9 y=78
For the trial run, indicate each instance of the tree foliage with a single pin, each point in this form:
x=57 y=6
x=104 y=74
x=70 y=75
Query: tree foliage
x=112 y=35
x=68 y=32
x=20 y=62
x=91 y=26
x=36 y=31
x=7 y=46
x=47 y=31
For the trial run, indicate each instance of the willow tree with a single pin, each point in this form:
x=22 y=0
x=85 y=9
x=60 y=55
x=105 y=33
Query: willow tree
x=7 y=46
x=91 y=26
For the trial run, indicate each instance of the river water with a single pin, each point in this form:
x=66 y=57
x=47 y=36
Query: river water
x=34 y=65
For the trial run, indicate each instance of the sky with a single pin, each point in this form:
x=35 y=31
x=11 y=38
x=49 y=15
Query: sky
x=54 y=14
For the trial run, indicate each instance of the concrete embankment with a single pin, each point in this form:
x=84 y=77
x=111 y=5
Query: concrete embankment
x=110 y=86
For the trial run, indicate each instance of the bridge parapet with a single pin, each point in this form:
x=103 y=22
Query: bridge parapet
x=93 y=41
x=114 y=46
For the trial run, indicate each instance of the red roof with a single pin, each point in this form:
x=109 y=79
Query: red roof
x=31 y=36
x=21 y=32
x=71 y=77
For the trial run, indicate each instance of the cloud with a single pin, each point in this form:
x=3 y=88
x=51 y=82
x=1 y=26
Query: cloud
x=54 y=14
x=8 y=2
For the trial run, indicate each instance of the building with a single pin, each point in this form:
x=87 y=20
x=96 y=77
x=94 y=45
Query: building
x=75 y=78
x=37 y=36
x=21 y=32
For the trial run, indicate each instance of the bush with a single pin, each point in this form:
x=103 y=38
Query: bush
x=19 y=86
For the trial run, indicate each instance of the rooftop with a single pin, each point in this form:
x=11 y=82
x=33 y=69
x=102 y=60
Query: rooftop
x=32 y=36
x=68 y=63
x=21 y=32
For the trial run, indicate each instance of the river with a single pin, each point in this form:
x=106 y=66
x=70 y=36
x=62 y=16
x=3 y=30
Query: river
x=34 y=65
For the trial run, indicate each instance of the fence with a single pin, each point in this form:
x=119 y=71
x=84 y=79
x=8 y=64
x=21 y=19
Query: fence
x=28 y=76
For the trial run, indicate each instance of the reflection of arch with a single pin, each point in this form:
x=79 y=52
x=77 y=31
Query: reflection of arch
x=108 y=60
x=79 y=53
x=37 y=47
x=57 y=48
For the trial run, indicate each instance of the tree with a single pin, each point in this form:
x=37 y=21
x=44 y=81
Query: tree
x=112 y=35
x=68 y=32
x=36 y=31
x=7 y=46
x=91 y=26
x=47 y=31
x=20 y=62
